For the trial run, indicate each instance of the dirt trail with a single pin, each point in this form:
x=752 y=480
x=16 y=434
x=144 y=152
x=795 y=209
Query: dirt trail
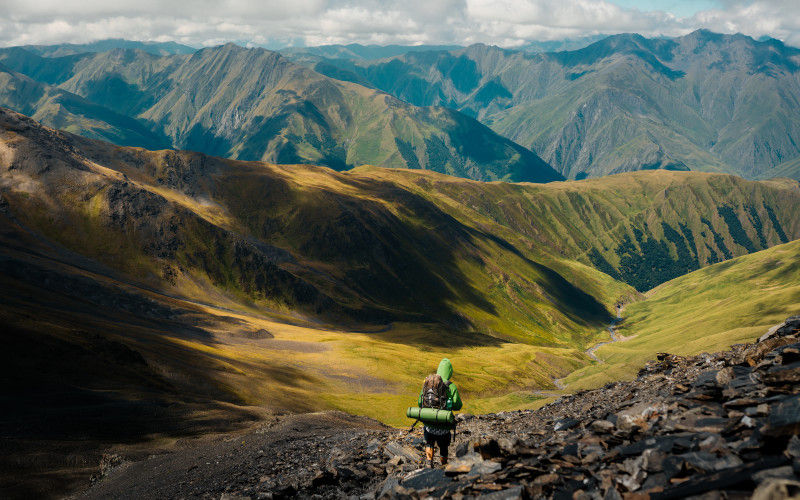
x=559 y=382
x=276 y=456
x=612 y=329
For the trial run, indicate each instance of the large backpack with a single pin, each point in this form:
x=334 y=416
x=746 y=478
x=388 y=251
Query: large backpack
x=435 y=392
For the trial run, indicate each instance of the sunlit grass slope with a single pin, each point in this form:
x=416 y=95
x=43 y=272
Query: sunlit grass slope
x=300 y=240
x=493 y=275
x=642 y=228
x=707 y=310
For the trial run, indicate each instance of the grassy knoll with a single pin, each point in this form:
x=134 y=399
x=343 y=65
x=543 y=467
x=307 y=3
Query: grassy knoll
x=706 y=310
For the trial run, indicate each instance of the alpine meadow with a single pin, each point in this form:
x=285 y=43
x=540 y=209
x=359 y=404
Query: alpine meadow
x=287 y=251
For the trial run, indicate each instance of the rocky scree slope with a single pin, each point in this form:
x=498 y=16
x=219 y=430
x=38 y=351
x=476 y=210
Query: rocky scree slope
x=723 y=424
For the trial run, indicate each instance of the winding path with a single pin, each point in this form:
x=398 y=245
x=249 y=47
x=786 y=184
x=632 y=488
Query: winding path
x=612 y=329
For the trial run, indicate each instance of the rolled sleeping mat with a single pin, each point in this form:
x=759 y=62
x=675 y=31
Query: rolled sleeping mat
x=431 y=415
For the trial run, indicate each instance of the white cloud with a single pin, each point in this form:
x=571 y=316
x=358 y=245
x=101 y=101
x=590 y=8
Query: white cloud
x=503 y=22
x=776 y=18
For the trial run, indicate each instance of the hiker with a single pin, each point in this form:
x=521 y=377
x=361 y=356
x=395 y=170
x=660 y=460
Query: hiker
x=439 y=392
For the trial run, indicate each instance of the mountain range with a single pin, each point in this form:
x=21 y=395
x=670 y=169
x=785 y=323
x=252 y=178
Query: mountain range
x=193 y=240
x=254 y=104
x=68 y=49
x=703 y=101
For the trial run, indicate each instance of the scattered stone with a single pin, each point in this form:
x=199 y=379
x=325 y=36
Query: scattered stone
x=565 y=424
x=784 y=418
x=485 y=467
x=423 y=479
x=402 y=453
x=793 y=448
x=777 y=489
x=513 y=493
x=789 y=327
x=463 y=464
x=711 y=426
x=602 y=426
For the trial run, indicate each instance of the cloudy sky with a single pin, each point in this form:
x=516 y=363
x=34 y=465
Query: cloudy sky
x=276 y=23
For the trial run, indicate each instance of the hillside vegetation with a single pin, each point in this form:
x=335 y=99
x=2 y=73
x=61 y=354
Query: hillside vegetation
x=65 y=110
x=254 y=104
x=483 y=264
x=159 y=293
x=704 y=101
x=642 y=228
x=706 y=310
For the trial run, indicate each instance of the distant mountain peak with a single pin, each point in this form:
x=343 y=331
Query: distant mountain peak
x=151 y=47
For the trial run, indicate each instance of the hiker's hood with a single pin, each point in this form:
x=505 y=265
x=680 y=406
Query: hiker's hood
x=445 y=369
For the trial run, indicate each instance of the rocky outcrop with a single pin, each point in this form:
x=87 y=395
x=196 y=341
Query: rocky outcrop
x=723 y=425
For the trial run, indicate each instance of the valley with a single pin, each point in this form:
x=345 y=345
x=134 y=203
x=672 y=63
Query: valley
x=173 y=294
x=703 y=311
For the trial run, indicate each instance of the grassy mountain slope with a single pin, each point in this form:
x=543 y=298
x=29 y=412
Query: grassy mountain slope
x=789 y=169
x=62 y=109
x=196 y=293
x=346 y=247
x=511 y=260
x=92 y=363
x=706 y=310
x=158 y=294
x=703 y=101
x=253 y=104
x=643 y=228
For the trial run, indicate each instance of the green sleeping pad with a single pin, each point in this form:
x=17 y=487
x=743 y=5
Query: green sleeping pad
x=431 y=415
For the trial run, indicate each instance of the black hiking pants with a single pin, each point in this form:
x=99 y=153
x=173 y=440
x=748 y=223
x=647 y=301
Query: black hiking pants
x=442 y=440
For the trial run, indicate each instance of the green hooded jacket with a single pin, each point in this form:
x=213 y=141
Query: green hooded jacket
x=454 y=400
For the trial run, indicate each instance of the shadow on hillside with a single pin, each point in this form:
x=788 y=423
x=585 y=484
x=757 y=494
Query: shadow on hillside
x=582 y=307
x=379 y=265
x=75 y=380
x=437 y=337
x=68 y=395
x=413 y=258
